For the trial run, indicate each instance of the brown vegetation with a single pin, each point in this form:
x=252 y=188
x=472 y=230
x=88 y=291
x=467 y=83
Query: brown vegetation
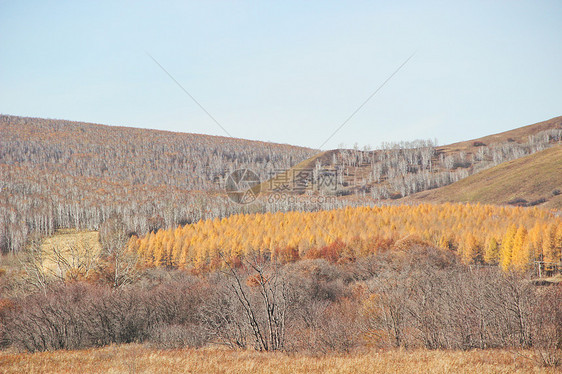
x=531 y=180
x=134 y=358
x=416 y=298
x=385 y=288
x=59 y=174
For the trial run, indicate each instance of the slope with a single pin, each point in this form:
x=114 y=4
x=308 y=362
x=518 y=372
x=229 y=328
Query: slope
x=60 y=174
x=401 y=169
x=518 y=135
x=532 y=180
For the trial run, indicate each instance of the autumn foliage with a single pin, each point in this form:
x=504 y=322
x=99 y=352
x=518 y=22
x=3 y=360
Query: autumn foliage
x=512 y=237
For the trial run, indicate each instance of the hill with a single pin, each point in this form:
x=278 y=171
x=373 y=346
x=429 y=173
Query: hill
x=401 y=169
x=137 y=156
x=60 y=174
x=519 y=135
x=532 y=180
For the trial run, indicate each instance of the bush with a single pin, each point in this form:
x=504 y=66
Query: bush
x=537 y=202
x=518 y=202
x=80 y=315
x=412 y=296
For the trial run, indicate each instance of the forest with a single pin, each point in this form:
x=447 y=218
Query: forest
x=396 y=170
x=59 y=174
x=176 y=264
x=513 y=237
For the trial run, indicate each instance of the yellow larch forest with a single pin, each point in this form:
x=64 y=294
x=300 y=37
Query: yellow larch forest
x=512 y=237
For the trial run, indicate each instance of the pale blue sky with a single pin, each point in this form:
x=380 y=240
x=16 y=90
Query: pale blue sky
x=286 y=71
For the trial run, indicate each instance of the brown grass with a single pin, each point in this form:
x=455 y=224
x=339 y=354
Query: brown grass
x=531 y=178
x=70 y=242
x=142 y=359
x=520 y=134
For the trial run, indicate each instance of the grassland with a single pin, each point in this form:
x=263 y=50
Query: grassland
x=70 y=245
x=518 y=135
x=66 y=249
x=142 y=359
x=530 y=178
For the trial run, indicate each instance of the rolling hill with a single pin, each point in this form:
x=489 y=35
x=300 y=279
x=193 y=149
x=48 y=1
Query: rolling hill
x=57 y=174
x=401 y=169
x=532 y=180
x=518 y=135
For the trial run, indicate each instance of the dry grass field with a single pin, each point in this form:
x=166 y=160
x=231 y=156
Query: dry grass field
x=142 y=359
x=66 y=249
x=70 y=245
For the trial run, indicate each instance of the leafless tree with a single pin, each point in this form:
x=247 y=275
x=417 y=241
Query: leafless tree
x=262 y=291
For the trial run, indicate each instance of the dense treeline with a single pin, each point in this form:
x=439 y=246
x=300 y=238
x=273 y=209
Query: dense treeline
x=61 y=174
x=513 y=237
x=422 y=297
x=41 y=202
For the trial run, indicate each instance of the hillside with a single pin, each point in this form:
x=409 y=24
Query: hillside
x=532 y=180
x=519 y=135
x=60 y=174
x=401 y=169
x=137 y=156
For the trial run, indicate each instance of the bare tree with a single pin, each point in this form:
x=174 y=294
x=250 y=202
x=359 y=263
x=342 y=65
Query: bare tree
x=117 y=263
x=265 y=296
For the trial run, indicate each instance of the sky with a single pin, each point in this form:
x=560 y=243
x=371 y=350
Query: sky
x=286 y=71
